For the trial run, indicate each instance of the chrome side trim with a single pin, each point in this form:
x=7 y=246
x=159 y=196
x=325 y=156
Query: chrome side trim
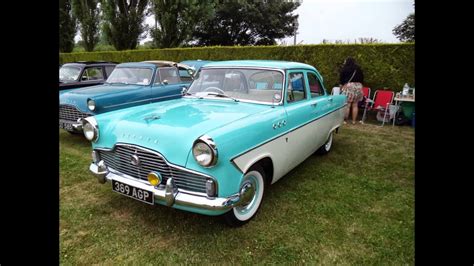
x=284 y=133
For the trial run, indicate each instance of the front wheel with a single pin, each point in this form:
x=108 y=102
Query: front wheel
x=251 y=193
x=326 y=146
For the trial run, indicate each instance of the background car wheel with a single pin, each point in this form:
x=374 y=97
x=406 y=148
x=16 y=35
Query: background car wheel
x=326 y=146
x=254 y=183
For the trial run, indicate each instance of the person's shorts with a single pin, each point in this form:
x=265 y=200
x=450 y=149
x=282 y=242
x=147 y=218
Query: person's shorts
x=353 y=91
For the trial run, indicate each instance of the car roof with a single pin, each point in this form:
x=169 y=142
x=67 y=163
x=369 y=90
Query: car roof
x=88 y=63
x=196 y=64
x=261 y=63
x=161 y=63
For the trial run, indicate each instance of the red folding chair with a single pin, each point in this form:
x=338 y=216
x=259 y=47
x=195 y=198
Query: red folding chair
x=381 y=103
x=366 y=93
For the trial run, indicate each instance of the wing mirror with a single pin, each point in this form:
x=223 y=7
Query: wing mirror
x=165 y=82
x=276 y=98
x=191 y=72
x=184 y=91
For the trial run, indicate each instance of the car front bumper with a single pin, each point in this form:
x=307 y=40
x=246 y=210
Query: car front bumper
x=170 y=195
x=75 y=126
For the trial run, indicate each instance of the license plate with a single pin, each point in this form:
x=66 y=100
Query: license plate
x=133 y=192
x=66 y=126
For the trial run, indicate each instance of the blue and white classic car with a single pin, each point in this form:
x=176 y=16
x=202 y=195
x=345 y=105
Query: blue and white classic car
x=240 y=127
x=128 y=85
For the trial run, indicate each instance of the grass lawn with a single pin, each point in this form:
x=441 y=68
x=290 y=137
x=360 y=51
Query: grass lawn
x=354 y=205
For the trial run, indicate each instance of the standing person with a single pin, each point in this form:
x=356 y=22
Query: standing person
x=351 y=79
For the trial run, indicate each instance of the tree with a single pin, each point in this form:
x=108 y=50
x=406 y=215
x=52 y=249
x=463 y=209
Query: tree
x=176 y=20
x=87 y=13
x=123 y=22
x=248 y=22
x=405 y=32
x=67 y=27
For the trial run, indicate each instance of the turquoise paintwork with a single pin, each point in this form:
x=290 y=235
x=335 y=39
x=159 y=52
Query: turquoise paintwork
x=236 y=127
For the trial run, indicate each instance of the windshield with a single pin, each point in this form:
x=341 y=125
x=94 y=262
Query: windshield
x=69 y=73
x=130 y=75
x=241 y=84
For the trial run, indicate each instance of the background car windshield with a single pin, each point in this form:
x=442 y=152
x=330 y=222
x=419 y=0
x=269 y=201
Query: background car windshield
x=129 y=75
x=243 y=84
x=69 y=73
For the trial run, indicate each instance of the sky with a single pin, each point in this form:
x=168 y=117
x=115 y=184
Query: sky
x=344 y=20
x=349 y=19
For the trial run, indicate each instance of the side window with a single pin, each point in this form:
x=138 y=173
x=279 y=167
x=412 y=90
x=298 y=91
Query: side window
x=168 y=74
x=184 y=75
x=92 y=73
x=296 y=87
x=109 y=69
x=314 y=85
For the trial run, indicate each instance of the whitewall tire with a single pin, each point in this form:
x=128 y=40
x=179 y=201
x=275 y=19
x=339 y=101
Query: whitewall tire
x=253 y=187
x=327 y=145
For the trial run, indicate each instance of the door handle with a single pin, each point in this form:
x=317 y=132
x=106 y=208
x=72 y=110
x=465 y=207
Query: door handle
x=330 y=99
x=314 y=104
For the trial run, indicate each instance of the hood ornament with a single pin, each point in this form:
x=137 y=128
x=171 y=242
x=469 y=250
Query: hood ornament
x=152 y=117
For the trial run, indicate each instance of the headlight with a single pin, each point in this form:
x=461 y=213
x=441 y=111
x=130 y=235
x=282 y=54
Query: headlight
x=90 y=128
x=205 y=151
x=91 y=104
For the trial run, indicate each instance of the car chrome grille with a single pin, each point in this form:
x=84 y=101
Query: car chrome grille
x=70 y=113
x=120 y=159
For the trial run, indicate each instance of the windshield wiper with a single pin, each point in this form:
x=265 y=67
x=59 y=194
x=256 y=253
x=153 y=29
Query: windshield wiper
x=124 y=83
x=221 y=95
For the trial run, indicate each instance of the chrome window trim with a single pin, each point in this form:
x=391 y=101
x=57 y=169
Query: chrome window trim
x=254 y=68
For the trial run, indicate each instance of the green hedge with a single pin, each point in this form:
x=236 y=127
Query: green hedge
x=384 y=65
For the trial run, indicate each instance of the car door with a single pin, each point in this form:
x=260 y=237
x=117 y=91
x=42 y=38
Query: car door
x=320 y=116
x=301 y=110
x=167 y=85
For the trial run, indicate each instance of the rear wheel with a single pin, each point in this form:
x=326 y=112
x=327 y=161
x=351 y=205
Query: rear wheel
x=326 y=146
x=251 y=193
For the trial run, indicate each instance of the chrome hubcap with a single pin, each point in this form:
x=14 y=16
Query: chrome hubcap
x=248 y=194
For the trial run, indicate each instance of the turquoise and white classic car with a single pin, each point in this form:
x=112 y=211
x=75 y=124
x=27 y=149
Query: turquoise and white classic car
x=240 y=127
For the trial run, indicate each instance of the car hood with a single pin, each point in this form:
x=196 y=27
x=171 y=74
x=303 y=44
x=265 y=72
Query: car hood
x=78 y=97
x=170 y=127
x=95 y=91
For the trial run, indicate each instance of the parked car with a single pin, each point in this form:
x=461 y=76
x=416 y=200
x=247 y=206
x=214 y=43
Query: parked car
x=240 y=127
x=84 y=74
x=128 y=85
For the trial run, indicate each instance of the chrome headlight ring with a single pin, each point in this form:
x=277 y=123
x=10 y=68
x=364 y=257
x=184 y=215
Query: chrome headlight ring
x=90 y=128
x=201 y=153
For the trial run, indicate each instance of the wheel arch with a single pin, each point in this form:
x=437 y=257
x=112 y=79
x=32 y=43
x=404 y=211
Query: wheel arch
x=266 y=162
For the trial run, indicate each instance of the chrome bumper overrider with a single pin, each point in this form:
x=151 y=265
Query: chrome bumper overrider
x=170 y=193
x=76 y=126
